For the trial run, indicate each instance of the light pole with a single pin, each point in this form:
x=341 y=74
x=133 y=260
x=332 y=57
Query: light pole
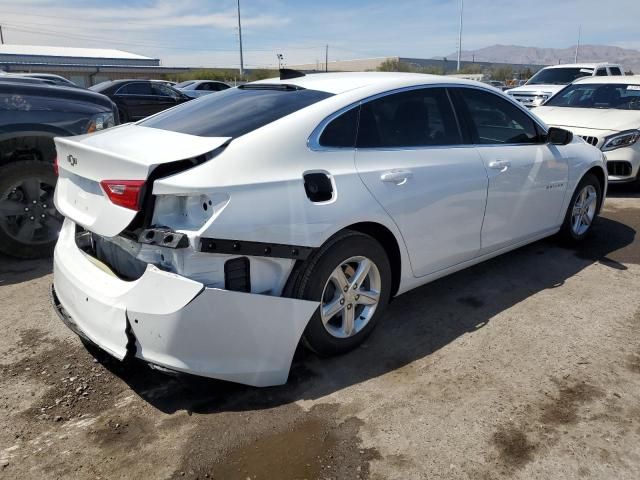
x=460 y=34
x=240 y=37
x=575 y=60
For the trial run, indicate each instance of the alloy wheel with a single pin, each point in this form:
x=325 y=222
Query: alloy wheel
x=350 y=297
x=27 y=212
x=584 y=210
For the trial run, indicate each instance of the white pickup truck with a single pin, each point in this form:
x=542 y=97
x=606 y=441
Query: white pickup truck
x=550 y=80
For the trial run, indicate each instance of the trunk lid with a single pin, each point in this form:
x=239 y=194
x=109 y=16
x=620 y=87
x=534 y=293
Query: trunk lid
x=128 y=152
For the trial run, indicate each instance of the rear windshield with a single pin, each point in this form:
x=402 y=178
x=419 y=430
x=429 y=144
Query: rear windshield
x=559 y=76
x=235 y=111
x=593 y=95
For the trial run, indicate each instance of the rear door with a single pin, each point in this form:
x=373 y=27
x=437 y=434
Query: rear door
x=411 y=157
x=527 y=176
x=137 y=97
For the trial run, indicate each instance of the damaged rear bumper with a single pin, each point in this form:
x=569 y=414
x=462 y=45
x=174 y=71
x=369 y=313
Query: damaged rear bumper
x=177 y=323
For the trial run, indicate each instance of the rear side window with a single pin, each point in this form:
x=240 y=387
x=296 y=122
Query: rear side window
x=136 y=88
x=615 y=71
x=235 y=111
x=341 y=131
x=494 y=120
x=601 y=72
x=414 y=118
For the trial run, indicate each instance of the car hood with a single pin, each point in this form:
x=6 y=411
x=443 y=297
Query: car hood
x=594 y=118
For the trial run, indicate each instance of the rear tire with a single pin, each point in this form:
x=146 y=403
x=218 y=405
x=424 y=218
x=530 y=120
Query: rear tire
x=351 y=278
x=29 y=222
x=582 y=210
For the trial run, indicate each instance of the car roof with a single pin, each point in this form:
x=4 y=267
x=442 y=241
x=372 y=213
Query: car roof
x=344 y=81
x=619 y=79
x=584 y=65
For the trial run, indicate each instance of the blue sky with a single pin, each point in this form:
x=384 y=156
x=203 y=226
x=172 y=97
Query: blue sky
x=204 y=32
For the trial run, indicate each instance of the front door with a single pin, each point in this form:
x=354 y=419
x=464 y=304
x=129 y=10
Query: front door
x=527 y=176
x=411 y=157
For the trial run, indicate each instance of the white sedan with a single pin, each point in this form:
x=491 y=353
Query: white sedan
x=198 y=88
x=215 y=236
x=605 y=112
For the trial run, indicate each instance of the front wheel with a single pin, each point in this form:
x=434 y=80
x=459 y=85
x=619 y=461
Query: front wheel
x=351 y=278
x=583 y=209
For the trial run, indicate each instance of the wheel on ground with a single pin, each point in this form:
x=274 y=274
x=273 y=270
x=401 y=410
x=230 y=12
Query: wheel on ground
x=29 y=222
x=351 y=278
x=583 y=209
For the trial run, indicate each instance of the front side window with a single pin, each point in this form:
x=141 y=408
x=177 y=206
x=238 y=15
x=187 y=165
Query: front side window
x=163 y=91
x=601 y=72
x=235 y=111
x=494 y=120
x=414 y=118
x=598 y=95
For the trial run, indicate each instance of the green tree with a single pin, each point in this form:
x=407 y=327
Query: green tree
x=471 y=69
x=502 y=73
x=395 y=65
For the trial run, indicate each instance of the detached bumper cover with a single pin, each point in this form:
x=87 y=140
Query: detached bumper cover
x=178 y=323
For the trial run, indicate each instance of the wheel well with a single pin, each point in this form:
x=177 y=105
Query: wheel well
x=39 y=148
x=388 y=241
x=599 y=174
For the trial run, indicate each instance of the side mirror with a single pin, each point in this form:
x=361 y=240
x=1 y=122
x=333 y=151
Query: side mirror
x=559 y=136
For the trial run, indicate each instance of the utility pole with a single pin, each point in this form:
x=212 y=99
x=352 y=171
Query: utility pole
x=1 y=37
x=326 y=58
x=240 y=37
x=280 y=58
x=460 y=34
x=575 y=60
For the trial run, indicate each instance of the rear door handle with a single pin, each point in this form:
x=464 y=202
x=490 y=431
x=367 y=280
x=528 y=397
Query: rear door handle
x=501 y=165
x=399 y=177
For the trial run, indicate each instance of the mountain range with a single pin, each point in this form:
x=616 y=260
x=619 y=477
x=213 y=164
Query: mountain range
x=628 y=58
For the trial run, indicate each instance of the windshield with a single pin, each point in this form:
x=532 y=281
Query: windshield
x=235 y=111
x=592 y=95
x=184 y=84
x=99 y=87
x=559 y=76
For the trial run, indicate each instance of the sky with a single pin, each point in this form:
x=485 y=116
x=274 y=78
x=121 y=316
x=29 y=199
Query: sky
x=205 y=32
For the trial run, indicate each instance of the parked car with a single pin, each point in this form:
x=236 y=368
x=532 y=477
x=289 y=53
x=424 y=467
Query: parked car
x=137 y=99
x=48 y=77
x=550 y=80
x=227 y=228
x=497 y=84
x=31 y=115
x=605 y=112
x=198 y=88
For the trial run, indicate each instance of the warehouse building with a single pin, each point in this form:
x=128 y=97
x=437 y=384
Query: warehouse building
x=83 y=66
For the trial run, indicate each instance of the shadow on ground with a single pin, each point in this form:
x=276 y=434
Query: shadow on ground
x=13 y=270
x=415 y=325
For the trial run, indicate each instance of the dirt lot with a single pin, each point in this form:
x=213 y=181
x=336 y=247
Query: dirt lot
x=527 y=366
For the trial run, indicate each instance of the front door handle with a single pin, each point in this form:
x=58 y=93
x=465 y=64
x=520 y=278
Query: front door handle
x=398 y=177
x=501 y=165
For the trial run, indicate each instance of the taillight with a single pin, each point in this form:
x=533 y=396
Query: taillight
x=55 y=165
x=124 y=193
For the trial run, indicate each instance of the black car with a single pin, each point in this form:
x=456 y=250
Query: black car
x=31 y=115
x=137 y=99
x=45 y=77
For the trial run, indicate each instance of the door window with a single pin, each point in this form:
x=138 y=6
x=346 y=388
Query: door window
x=136 y=88
x=601 y=72
x=615 y=71
x=414 y=118
x=494 y=120
x=163 y=91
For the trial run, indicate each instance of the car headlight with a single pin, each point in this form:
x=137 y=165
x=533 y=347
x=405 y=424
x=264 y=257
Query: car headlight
x=540 y=99
x=100 y=121
x=620 y=140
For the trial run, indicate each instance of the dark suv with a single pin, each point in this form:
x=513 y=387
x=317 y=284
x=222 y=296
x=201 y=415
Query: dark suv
x=137 y=99
x=31 y=115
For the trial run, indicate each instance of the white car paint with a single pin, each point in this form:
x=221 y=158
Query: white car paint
x=532 y=94
x=595 y=125
x=446 y=207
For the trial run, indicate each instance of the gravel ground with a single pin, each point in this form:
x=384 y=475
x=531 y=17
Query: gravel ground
x=527 y=367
